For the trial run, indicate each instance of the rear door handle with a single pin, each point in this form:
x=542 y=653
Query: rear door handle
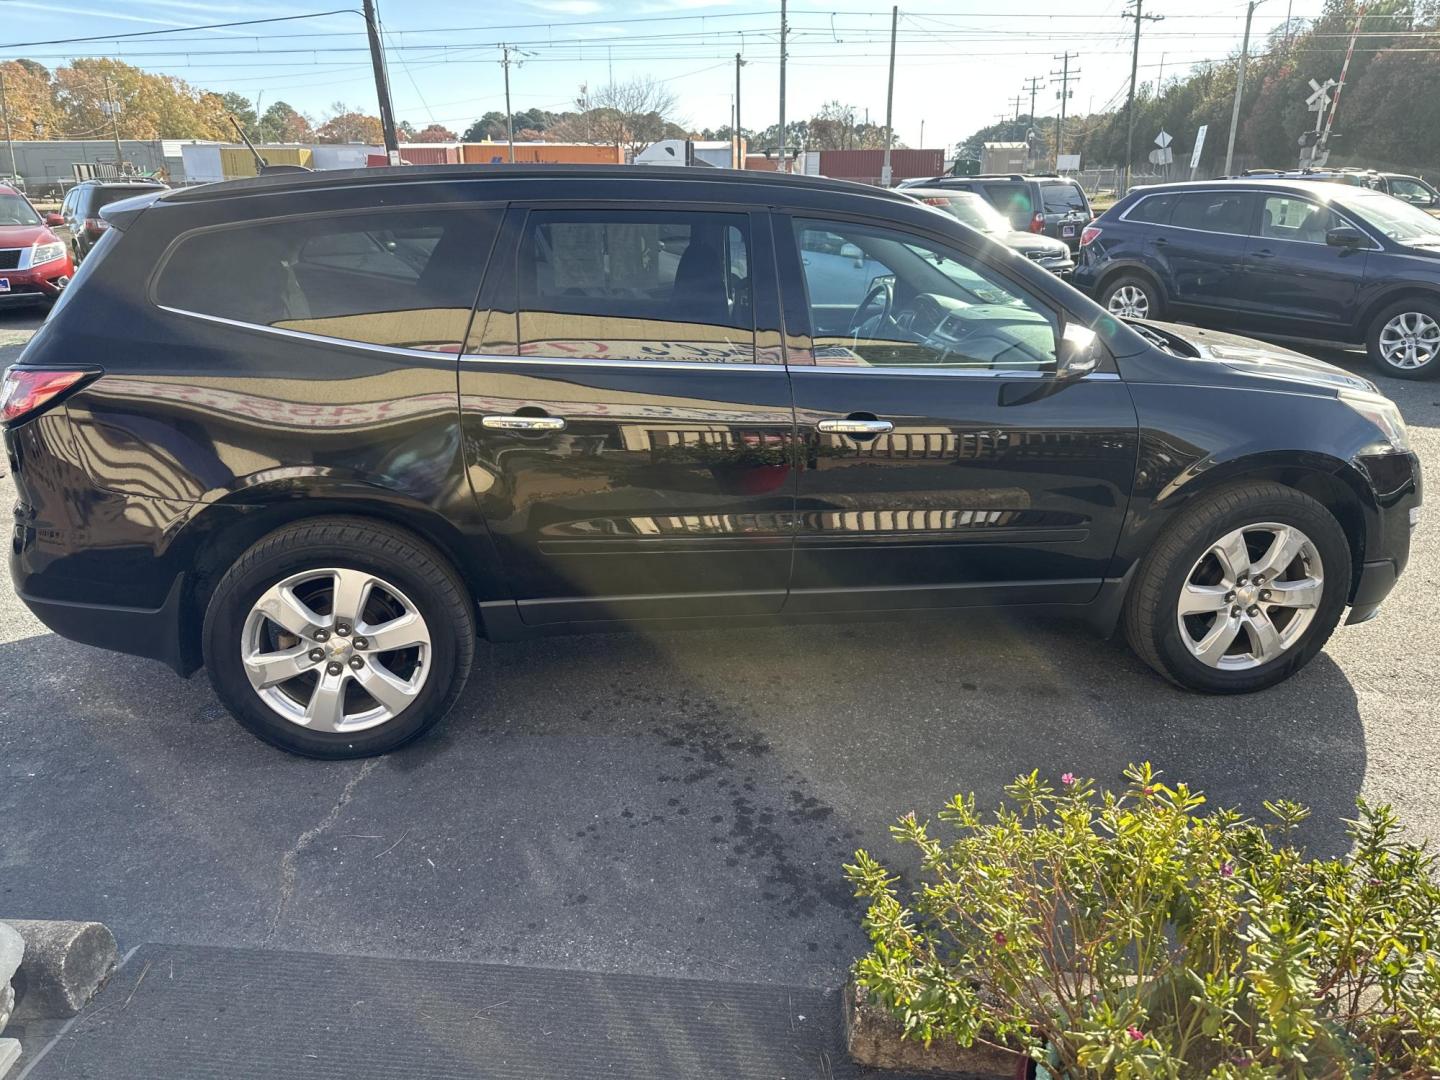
x=1160 y=241
x=1263 y=253
x=855 y=427
x=523 y=423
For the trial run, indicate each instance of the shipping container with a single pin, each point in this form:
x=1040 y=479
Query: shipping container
x=344 y=155
x=866 y=165
x=238 y=161
x=430 y=153
x=543 y=153
x=761 y=163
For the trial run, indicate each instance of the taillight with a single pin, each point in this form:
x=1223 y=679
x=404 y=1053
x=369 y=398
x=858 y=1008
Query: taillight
x=26 y=392
x=1037 y=223
x=1090 y=232
x=95 y=226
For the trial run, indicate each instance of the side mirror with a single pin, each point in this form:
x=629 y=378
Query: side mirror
x=1079 y=352
x=1344 y=236
x=52 y=219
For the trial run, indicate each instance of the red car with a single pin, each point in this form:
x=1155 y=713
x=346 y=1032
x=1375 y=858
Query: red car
x=35 y=264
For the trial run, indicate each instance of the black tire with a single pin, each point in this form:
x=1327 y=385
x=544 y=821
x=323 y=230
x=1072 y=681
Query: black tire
x=392 y=554
x=1420 y=307
x=1154 y=299
x=1151 y=607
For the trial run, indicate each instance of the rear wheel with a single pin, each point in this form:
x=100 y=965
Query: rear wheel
x=1404 y=339
x=1241 y=591
x=1132 y=296
x=339 y=638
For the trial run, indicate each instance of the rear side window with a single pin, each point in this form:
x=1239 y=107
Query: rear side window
x=1152 y=210
x=1011 y=199
x=622 y=285
x=1064 y=198
x=405 y=279
x=1214 y=211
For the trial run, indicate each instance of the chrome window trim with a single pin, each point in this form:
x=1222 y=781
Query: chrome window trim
x=1125 y=217
x=642 y=365
x=321 y=339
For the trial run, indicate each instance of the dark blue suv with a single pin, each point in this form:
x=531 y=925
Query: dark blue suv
x=1277 y=257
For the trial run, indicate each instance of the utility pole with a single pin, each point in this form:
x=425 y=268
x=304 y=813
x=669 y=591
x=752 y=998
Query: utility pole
x=739 y=138
x=784 y=167
x=1239 y=85
x=1034 y=85
x=1018 y=99
x=922 y=133
x=889 y=98
x=509 y=116
x=1064 y=93
x=5 y=115
x=1139 y=16
x=1035 y=82
x=114 y=125
x=382 y=84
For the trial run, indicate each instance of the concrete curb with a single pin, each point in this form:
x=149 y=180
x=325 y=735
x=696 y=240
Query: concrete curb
x=64 y=964
x=873 y=1039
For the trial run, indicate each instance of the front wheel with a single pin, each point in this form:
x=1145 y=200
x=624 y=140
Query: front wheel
x=339 y=638
x=1241 y=591
x=1133 y=296
x=1404 y=339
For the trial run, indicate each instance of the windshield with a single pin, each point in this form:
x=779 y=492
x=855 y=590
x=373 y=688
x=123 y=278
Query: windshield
x=15 y=210
x=1399 y=221
x=970 y=210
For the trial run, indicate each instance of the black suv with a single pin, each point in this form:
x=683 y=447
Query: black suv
x=81 y=208
x=1047 y=205
x=316 y=432
x=1291 y=258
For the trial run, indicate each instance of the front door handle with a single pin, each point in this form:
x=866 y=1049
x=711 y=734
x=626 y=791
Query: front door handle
x=1263 y=253
x=855 y=427
x=523 y=423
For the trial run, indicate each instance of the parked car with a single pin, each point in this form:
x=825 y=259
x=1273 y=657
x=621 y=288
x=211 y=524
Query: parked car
x=970 y=209
x=1415 y=190
x=238 y=441
x=1048 y=205
x=1281 y=257
x=34 y=264
x=1412 y=189
x=82 y=225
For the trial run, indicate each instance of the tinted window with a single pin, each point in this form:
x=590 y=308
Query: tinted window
x=1213 y=211
x=884 y=298
x=1011 y=199
x=1063 y=198
x=620 y=285
x=1152 y=210
x=404 y=279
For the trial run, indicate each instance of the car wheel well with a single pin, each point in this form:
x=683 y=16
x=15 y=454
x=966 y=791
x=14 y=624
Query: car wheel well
x=220 y=547
x=1331 y=492
x=1114 y=275
x=1368 y=317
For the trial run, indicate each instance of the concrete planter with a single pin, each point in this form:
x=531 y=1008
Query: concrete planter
x=873 y=1039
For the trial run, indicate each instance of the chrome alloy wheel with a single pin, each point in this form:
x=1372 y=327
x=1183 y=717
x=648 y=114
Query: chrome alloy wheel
x=1251 y=596
x=1410 y=340
x=335 y=650
x=1129 y=301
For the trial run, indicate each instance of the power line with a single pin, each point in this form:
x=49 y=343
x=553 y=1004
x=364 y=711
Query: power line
x=177 y=29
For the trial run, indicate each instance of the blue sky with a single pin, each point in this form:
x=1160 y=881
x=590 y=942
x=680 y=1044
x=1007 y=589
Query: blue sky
x=961 y=62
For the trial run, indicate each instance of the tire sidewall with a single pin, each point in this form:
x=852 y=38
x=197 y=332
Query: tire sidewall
x=1329 y=539
x=1372 y=339
x=225 y=620
x=1139 y=281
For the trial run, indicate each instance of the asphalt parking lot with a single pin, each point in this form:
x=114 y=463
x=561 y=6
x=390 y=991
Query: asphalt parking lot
x=672 y=804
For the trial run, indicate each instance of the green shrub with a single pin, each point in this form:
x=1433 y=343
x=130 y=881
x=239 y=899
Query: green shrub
x=1128 y=935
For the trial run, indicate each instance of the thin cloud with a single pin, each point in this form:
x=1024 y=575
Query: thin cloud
x=568 y=7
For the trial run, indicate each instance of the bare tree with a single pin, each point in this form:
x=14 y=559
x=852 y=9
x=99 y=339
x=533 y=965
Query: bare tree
x=630 y=114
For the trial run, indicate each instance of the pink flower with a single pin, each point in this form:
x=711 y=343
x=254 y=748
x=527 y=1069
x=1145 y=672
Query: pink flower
x=1149 y=790
x=1135 y=1033
x=1068 y=779
x=1000 y=938
x=1228 y=869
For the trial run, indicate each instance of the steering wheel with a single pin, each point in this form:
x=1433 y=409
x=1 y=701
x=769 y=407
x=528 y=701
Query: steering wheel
x=884 y=291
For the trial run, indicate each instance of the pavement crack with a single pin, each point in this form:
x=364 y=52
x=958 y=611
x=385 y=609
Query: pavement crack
x=290 y=860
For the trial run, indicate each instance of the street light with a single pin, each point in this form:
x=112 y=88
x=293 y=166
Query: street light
x=1240 y=85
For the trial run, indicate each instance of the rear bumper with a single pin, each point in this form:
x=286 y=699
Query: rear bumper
x=151 y=633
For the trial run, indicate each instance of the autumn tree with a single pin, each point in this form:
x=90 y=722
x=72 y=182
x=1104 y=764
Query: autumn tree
x=436 y=133
x=146 y=105
x=631 y=114
x=348 y=126
x=30 y=100
x=281 y=123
